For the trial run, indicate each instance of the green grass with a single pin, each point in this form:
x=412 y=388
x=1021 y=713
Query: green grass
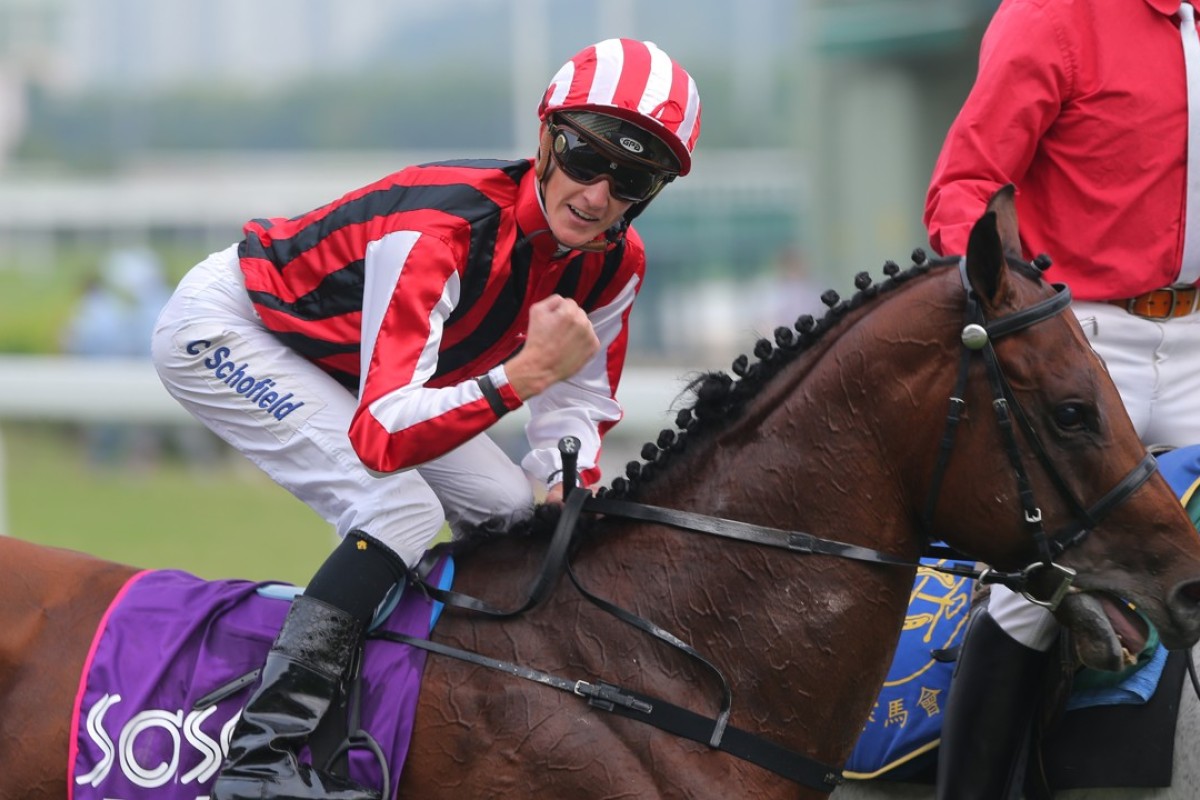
x=223 y=520
x=33 y=310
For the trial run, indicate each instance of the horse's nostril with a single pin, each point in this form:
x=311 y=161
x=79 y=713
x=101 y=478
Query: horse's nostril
x=1190 y=591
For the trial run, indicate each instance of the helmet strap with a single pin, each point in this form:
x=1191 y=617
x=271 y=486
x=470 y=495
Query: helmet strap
x=611 y=236
x=541 y=165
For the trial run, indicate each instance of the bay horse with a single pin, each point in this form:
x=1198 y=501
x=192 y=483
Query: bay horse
x=954 y=401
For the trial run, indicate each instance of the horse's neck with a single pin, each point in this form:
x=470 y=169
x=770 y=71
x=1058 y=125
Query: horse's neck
x=824 y=448
x=804 y=640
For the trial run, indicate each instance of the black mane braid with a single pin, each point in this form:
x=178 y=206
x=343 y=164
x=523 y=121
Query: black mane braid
x=720 y=397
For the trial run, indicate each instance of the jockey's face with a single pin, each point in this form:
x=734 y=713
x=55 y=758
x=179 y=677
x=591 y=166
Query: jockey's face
x=579 y=212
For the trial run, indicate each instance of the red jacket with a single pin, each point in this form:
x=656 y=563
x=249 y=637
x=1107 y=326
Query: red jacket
x=1083 y=105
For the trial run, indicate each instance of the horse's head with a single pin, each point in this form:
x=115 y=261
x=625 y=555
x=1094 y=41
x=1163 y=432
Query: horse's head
x=958 y=401
x=1074 y=486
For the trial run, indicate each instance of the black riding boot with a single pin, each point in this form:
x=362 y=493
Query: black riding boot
x=988 y=714
x=302 y=675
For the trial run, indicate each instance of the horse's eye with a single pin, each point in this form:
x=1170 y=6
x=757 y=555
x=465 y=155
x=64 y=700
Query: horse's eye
x=1070 y=416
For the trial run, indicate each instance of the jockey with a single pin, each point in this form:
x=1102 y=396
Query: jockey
x=359 y=352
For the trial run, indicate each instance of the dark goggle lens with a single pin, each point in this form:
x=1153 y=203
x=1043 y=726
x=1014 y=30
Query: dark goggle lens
x=585 y=164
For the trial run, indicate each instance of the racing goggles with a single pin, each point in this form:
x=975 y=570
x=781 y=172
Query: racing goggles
x=584 y=162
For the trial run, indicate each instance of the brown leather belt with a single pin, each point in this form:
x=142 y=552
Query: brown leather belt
x=1162 y=303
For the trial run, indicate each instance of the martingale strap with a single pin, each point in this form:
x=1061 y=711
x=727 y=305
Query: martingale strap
x=714 y=732
x=673 y=719
x=552 y=567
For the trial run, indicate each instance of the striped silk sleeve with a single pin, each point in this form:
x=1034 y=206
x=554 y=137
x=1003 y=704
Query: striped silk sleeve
x=584 y=406
x=412 y=286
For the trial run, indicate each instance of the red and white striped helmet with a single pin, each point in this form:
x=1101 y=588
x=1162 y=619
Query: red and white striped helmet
x=635 y=81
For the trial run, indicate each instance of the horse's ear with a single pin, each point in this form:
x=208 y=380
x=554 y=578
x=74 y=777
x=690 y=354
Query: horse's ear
x=1003 y=202
x=993 y=238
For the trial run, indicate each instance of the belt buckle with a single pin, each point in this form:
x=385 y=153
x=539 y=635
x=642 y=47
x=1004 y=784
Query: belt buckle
x=1176 y=307
x=1188 y=306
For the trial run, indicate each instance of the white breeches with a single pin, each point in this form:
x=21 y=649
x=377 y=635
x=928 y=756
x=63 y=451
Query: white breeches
x=291 y=419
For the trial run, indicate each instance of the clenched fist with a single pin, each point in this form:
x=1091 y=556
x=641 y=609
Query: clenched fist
x=558 y=342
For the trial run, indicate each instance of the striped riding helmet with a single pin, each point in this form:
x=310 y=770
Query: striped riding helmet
x=636 y=82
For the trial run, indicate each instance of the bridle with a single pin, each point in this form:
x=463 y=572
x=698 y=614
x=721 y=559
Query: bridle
x=978 y=334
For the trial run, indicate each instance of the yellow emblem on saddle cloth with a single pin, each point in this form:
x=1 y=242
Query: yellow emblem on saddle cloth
x=905 y=721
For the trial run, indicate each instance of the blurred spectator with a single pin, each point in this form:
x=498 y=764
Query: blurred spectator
x=781 y=295
x=795 y=291
x=114 y=318
x=137 y=276
x=116 y=312
x=733 y=312
x=97 y=327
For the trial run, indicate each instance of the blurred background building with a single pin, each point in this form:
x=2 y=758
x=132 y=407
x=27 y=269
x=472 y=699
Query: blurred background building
x=144 y=126
x=136 y=122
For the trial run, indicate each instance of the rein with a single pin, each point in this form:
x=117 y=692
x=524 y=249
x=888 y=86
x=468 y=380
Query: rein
x=716 y=732
x=977 y=336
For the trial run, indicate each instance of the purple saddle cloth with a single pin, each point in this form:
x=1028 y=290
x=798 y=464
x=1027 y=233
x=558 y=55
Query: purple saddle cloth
x=170 y=638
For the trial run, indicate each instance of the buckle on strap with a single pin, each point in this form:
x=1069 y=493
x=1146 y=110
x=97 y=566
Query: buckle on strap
x=1019 y=582
x=605 y=696
x=1183 y=300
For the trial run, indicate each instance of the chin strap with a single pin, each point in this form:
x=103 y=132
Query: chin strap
x=597 y=245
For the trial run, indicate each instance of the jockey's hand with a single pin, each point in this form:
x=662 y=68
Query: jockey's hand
x=558 y=342
x=555 y=493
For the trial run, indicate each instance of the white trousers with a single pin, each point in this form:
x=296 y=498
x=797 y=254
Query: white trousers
x=1156 y=367
x=289 y=417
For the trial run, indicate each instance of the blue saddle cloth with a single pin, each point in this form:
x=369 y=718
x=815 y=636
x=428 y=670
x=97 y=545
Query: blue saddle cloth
x=906 y=720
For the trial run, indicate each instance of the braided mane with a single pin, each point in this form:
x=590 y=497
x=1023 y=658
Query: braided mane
x=720 y=397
